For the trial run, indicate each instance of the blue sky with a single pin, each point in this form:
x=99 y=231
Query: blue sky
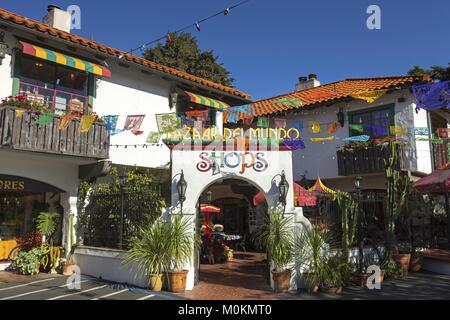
x=267 y=44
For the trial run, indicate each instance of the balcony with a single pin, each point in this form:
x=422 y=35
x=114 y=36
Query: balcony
x=25 y=134
x=368 y=160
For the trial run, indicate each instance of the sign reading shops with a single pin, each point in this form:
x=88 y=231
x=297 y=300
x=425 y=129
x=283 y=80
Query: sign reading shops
x=243 y=160
x=18 y=184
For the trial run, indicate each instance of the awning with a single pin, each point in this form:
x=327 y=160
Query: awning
x=303 y=198
x=320 y=188
x=437 y=182
x=198 y=99
x=65 y=60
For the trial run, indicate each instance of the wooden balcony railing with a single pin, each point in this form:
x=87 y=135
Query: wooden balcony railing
x=26 y=135
x=369 y=160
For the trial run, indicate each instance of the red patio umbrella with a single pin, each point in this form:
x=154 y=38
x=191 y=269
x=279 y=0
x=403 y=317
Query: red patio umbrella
x=208 y=209
x=259 y=199
x=437 y=182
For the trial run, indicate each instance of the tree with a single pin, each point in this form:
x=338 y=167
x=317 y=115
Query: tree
x=435 y=72
x=183 y=53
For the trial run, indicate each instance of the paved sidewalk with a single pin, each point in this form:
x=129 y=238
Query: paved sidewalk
x=54 y=287
x=246 y=279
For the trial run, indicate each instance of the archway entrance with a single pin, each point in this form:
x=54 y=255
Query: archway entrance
x=228 y=219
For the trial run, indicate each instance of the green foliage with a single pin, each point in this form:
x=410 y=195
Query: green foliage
x=184 y=54
x=337 y=272
x=47 y=222
x=435 y=72
x=182 y=242
x=149 y=250
x=107 y=213
x=399 y=186
x=276 y=236
x=392 y=269
x=311 y=247
x=349 y=218
x=28 y=262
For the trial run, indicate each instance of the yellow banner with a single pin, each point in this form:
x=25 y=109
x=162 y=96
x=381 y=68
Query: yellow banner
x=86 y=123
x=370 y=96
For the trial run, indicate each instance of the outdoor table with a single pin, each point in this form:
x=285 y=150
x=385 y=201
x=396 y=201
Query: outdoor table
x=233 y=240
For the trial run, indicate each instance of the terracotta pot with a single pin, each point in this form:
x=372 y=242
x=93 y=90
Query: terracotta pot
x=282 y=280
x=311 y=281
x=177 y=281
x=382 y=274
x=337 y=290
x=415 y=264
x=155 y=282
x=69 y=268
x=361 y=279
x=403 y=259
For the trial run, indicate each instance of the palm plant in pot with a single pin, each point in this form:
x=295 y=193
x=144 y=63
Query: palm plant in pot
x=149 y=252
x=181 y=245
x=331 y=279
x=311 y=245
x=46 y=224
x=276 y=236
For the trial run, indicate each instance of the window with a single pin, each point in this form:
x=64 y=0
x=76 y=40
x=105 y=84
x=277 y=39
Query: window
x=61 y=88
x=375 y=123
x=184 y=105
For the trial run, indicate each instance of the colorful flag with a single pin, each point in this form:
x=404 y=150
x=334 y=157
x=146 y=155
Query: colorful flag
x=322 y=139
x=110 y=122
x=167 y=122
x=65 y=121
x=153 y=137
x=314 y=127
x=398 y=131
x=86 y=123
x=279 y=123
x=133 y=122
x=432 y=96
x=263 y=122
x=294 y=144
x=45 y=119
x=370 y=96
x=362 y=138
x=19 y=113
x=357 y=127
x=332 y=127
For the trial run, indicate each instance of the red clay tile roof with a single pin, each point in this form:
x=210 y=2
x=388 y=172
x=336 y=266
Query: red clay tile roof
x=44 y=28
x=333 y=91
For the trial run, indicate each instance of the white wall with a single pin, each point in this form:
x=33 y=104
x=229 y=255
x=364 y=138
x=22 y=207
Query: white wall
x=6 y=82
x=320 y=159
x=131 y=92
x=60 y=172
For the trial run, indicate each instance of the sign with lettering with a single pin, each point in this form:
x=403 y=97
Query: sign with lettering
x=19 y=184
x=233 y=160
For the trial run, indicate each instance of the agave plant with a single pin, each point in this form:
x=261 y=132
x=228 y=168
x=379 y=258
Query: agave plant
x=149 y=251
x=276 y=236
x=182 y=242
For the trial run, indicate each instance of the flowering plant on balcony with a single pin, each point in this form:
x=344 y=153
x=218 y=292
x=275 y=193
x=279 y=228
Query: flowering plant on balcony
x=24 y=102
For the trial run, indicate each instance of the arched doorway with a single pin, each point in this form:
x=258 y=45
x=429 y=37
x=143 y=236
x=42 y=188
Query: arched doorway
x=231 y=255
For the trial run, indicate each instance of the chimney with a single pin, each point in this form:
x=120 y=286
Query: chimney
x=58 y=18
x=307 y=82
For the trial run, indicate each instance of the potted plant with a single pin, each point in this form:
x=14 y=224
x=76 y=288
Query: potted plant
x=276 y=236
x=310 y=248
x=415 y=264
x=148 y=252
x=68 y=264
x=181 y=244
x=46 y=224
x=28 y=262
x=331 y=280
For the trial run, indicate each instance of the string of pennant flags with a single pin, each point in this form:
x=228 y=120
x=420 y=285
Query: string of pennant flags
x=196 y=25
